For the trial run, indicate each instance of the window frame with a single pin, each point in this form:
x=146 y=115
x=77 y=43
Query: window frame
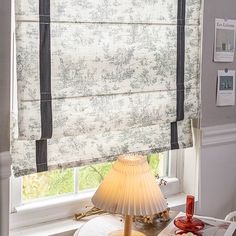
x=61 y=207
x=64 y=206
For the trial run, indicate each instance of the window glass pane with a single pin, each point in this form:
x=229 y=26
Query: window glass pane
x=59 y=182
x=47 y=184
x=91 y=176
x=159 y=163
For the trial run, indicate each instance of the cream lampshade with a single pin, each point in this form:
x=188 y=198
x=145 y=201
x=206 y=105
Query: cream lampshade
x=130 y=189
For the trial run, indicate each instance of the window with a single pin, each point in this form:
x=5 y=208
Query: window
x=61 y=193
x=68 y=182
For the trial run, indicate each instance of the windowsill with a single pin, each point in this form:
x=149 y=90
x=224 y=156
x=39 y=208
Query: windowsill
x=50 y=210
x=58 y=227
x=55 y=202
x=67 y=226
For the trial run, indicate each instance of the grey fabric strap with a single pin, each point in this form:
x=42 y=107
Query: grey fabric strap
x=180 y=59
x=45 y=85
x=41 y=154
x=174 y=136
x=179 y=72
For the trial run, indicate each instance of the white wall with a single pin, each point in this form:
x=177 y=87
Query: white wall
x=217 y=189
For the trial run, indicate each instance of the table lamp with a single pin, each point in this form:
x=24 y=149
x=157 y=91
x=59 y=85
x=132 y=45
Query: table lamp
x=130 y=189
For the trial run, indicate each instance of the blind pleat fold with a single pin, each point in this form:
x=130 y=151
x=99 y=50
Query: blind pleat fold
x=112 y=11
x=78 y=116
x=99 y=86
x=90 y=149
x=95 y=59
x=112 y=78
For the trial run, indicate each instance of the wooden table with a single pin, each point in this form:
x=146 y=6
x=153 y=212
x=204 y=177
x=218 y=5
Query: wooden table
x=103 y=225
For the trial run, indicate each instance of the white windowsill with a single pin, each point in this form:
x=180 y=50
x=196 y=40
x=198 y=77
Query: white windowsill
x=67 y=226
x=55 y=202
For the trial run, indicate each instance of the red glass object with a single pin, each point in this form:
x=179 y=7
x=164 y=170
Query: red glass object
x=188 y=223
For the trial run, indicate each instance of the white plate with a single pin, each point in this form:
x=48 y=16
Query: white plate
x=100 y=226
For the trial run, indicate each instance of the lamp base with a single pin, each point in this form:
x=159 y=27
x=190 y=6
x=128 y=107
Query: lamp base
x=121 y=233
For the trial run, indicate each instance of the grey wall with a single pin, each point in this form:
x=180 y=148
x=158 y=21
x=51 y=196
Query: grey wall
x=212 y=115
x=217 y=189
x=5 y=43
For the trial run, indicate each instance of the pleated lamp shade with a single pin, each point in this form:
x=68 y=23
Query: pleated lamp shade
x=130 y=188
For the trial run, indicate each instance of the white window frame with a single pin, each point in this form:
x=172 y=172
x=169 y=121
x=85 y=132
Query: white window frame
x=56 y=208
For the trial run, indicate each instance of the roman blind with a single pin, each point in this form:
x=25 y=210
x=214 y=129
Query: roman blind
x=96 y=79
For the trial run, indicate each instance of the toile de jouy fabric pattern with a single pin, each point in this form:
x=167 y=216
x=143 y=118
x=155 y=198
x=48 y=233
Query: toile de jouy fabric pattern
x=113 y=79
x=90 y=149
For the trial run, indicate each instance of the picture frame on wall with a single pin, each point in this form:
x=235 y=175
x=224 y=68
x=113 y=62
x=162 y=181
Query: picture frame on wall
x=224 y=48
x=225 y=88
